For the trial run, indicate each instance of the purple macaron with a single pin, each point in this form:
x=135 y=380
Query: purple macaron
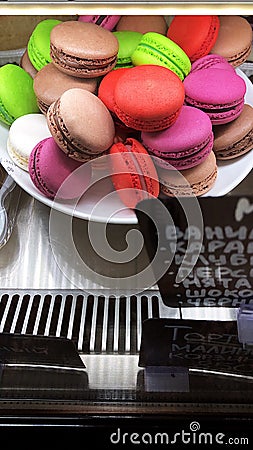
x=53 y=173
x=107 y=22
x=218 y=92
x=183 y=145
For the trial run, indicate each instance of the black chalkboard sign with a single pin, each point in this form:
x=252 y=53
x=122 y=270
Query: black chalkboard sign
x=200 y=249
x=43 y=351
x=195 y=344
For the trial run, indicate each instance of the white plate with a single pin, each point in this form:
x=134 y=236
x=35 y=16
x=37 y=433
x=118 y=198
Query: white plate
x=102 y=197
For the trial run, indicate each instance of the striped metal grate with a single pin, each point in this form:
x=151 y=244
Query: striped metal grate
x=96 y=323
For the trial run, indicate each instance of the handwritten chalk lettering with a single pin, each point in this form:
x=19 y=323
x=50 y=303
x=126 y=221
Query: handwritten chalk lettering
x=234 y=303
x=215 y=233
x=197 y=247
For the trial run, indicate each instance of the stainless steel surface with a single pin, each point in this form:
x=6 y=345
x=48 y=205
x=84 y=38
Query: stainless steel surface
x=9 y=200
x=27 y=261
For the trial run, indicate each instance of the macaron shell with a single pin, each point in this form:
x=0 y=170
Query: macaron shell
x=24 y=134
x=81 y=124
x=26 y=64
x=49 y=168
x=235 y=138
x=47 y=91
x=183 y=145
x=213 y=61
x=128 y=41
x=143 y=23
x=134 y=175
x=83 y=49
x=108 y=22
x=234 y=39
x=17 y=96
x=38 y=46
x=191 y=182
x=202 y=30
x=154 y=97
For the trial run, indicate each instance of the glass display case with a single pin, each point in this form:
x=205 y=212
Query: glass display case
x=96 y=342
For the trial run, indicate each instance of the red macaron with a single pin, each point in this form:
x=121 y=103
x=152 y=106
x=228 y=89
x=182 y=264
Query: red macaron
x=133 y=173
x=196 y=35
x=148 y=97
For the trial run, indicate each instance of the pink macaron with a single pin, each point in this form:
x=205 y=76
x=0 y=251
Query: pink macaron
x=211 y=61
x=53 y=173
x=108 y=22
x=218 y=92
x=183 y=145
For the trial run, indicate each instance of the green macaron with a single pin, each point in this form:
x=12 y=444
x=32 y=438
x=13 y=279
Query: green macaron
x=155 y=48
x=38 y=47
x=17 y=96
x=128 y=41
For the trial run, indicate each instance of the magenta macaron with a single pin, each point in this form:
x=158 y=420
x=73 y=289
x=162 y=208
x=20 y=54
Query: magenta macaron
x=183 y=145
x=218 y=92
x=211 y=61
x=108 y=22
x=49 y=168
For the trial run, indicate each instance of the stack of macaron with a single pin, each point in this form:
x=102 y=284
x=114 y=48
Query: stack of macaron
x=164 y=96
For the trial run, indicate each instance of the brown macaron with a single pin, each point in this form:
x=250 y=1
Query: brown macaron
x=81 y=124
x=143 y=24
x=234 y=39
x=26 y=64
x=235 y=138
x=50 y=83
x=189 y=182
x=82 y=49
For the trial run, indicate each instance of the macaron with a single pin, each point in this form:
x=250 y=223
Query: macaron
x=143 y=23
x=148 y=97
x=235 y=138
x=26 y=64
x=196 y=181
x=54 y=174
x=17 y=96
x=38 y=46
x=128 y=41
x=183 y=145
x=50 y=83
x=133 y=173
x=24 y=133
x=196 y=35
x=106 y=94
x=234 y=39
x=108 y=22
x=82 y=49
x=81 y=124
x=218 y=92
x=211 y=61
x=154 y=48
